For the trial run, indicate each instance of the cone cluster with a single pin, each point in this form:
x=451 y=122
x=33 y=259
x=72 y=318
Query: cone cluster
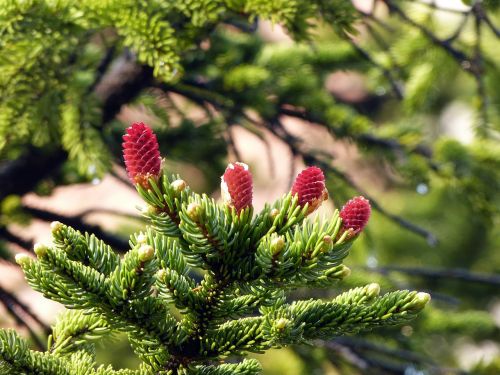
x=142 y=160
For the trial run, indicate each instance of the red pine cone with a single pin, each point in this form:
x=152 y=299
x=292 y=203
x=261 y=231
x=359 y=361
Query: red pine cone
x=141 y=154
x=355 y=214
x=237 y=185
x=310 y=187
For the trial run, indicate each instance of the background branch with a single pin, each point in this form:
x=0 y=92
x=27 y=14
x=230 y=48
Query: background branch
x=446 y=273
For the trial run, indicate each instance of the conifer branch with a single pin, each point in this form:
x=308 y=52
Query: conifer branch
x=478 y=65
x=462 y=59
x=310 y=157
x=250 y=263
x=21 y=175
x=395 y=85
x=77 y=223
x=448 y=273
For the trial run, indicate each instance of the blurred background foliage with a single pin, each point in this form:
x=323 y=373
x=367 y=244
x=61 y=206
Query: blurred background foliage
x=396 y=100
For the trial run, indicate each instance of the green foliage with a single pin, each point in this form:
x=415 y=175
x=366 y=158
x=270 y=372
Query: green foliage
x=49 y=60
x=238 y=307
x=207 y=70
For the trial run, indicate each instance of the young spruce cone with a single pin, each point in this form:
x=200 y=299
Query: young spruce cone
x=310 y=188
x=355 y=214
x=141 y=154
x=236 y=186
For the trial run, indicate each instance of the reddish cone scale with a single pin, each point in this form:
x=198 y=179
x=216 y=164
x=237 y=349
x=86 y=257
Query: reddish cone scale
x=141 y=154
x=237 y=185
x=310 y=187
x=355 y=214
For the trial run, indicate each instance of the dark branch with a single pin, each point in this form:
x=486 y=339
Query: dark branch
x=395 y=85
x=118 y=243
x=12 y=305
x=102 y=68
x=449 y=273
x=8 y=236
x=479 y=66
x=21 y=175
x=121 y=85
x=463 y=60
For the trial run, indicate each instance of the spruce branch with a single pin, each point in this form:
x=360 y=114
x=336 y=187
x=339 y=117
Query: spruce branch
x=76 y=330
x=393 y=81
x=249 y=264
x=10 y=298
x=15 y=357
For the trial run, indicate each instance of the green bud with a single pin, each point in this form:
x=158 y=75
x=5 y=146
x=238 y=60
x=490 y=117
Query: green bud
x=161 y=274
x=277 y=245
x=274 y=212
x=337 y=272
x=419 y=301
x=149 y=210
x=372 y=290
x=55 y=226
x=146 y=252
x=193 y=211
x=40 y=249
x=22 y=259
x=346 y=272
x=327 y=243
x=141 y=238
x=281 y=323
x=179 y=185
x=328 y=240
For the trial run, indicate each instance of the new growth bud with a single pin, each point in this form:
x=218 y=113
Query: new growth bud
x=179 y=185
x=373 y=290
x=338 y=272
x=161 y=274
x=355 y=214
x=146 y=252
x=346 y=272
x=277 y=245
x=310 y=188
x=420 y=300
x=141 y=154
x=141 y=238
x=193 y=211
x=56 y=226
x=281 y=323
x=149 y=210
x=274 y=212
x=327 y=243
x=40 y=249
x=236 y=186
x=22 y=259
